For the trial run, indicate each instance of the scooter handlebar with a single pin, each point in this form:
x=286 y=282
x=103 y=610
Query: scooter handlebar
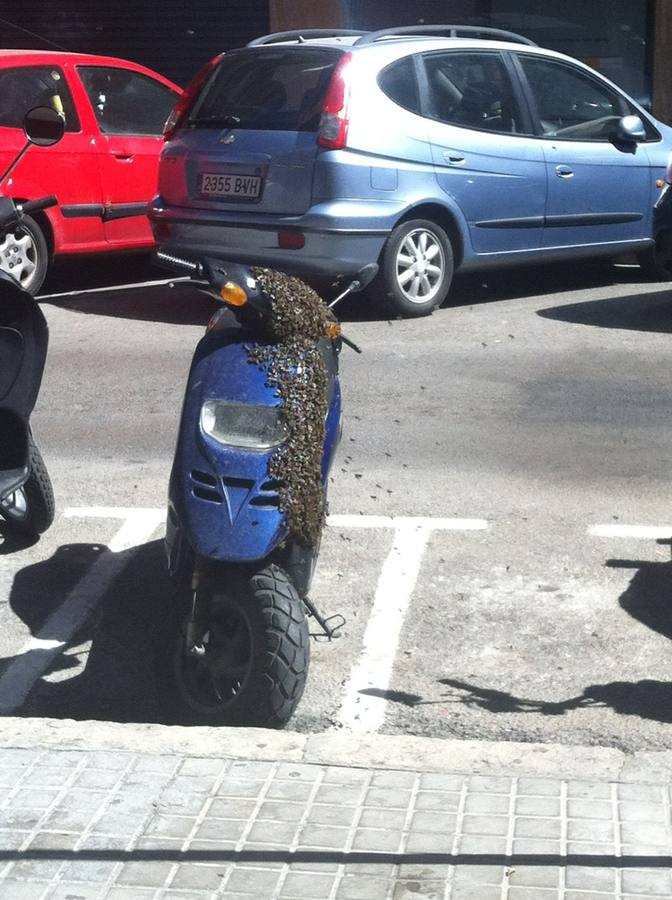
x=31 y=206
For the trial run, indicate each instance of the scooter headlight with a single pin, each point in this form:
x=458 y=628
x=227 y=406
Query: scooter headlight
x=243 y=425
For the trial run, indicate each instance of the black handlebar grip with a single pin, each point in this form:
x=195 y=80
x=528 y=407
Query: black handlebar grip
x=33 y=205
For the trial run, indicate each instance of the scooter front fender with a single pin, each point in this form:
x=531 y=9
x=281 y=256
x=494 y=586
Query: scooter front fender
x=221 y=496
x=222 y=501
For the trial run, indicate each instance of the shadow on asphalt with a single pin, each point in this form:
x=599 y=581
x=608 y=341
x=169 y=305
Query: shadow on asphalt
x=645 y=699
x=178 y=304
x=639 y=312
x=93 y=272
x=95 y=286
x=648 y=599
x=104 y=277
x=107 y=670
x=11 y=542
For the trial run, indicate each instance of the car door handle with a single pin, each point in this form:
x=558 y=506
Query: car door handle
x=564 y=172
x=453 y=159
x=124 y=157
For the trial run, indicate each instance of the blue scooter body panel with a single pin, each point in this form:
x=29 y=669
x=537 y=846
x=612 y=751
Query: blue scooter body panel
x=221 y=497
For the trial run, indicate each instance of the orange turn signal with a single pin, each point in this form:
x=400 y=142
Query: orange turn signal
x=233 y=294
x=332 y=330
x=660 y=183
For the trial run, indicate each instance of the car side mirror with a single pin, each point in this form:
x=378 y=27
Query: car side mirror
x=630 y=129
x=43 y=126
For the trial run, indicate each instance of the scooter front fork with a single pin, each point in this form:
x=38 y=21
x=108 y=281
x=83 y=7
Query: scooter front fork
x=194 y=629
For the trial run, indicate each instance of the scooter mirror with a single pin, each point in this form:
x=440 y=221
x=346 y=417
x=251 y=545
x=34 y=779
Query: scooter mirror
x=43 y=126
x=364 y=277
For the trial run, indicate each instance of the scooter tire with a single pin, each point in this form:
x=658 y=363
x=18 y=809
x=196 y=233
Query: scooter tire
x=260 y=620
x=35 y=513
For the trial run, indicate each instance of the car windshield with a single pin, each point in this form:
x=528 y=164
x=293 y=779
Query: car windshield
x=275 y=89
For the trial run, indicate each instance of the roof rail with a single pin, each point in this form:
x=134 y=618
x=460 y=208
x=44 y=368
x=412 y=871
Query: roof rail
x=304 y=35
x=449 y=30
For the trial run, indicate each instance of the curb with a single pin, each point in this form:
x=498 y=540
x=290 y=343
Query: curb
x=379 y=751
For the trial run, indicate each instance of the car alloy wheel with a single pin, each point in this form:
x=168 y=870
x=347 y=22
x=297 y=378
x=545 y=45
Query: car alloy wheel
x=420 y=265
x=18 y=256
x=24 y=255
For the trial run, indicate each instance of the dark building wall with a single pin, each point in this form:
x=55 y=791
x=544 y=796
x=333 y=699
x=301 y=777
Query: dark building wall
x=173 y=37
x=285 y=14
x=662 y=65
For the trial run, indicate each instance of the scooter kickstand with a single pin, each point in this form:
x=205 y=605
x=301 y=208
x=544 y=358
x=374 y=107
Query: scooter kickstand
x=331 y=632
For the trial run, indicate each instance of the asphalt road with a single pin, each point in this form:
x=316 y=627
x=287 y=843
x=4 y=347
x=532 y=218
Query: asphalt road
x=536 y=406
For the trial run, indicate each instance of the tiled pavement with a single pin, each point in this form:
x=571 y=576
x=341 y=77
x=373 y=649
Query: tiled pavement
x=103 y=825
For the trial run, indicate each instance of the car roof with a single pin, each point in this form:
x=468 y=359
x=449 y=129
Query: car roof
x=425 y=40
x=398 y=34
x=395 y=45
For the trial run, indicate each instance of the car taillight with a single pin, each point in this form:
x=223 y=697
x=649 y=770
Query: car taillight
x=186 y=99
x=333 y=130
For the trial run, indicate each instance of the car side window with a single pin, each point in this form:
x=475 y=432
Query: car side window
x=127 y=102
x=571 y=105
x=23 y=87
x=472 y=89
x=398 y=82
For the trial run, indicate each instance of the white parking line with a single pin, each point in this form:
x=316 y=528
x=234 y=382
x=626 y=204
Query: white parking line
x=434 y=524
x=364 y=713
x=639 y=532
x=360 y=712
x=37 y=654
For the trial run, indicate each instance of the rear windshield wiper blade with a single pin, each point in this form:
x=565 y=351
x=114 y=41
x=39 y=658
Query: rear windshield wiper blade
x=224 y=121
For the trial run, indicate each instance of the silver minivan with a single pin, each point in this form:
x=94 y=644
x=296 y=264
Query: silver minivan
x=426 y=148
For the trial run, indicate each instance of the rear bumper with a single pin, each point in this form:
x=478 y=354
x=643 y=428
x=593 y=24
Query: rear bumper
x=339 y=238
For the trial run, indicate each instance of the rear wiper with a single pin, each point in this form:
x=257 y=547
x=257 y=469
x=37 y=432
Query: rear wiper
x=223 y=121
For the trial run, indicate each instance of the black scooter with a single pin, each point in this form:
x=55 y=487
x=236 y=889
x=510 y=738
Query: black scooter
x=26 y=494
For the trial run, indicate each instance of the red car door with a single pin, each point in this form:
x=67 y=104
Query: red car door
x=131 y=107
x=71 y=169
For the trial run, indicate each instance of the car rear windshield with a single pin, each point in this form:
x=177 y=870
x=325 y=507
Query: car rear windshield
x=280 y=89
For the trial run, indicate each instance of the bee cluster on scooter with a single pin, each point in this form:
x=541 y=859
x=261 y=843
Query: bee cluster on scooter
x=296 y=368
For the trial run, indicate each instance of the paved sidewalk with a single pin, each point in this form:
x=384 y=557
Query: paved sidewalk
x=121 y=824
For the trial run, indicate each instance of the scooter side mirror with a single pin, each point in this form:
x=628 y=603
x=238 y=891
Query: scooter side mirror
x=364 y=277
x=43 y=126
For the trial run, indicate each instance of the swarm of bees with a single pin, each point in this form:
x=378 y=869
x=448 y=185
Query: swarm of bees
x=295 y=367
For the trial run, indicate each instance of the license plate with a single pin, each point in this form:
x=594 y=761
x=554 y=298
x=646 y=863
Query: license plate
x=230 y=185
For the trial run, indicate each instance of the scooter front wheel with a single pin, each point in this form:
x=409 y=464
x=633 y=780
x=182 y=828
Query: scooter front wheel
x=254 y=663
x=31 y=508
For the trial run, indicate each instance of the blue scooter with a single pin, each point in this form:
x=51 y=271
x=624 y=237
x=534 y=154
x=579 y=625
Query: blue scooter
x=260 y=424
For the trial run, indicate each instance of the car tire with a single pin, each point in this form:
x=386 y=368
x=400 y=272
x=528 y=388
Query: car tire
x=416 y=269
x=656 y=264
x=24 y=255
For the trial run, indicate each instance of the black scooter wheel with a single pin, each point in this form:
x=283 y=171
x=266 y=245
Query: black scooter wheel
x=31 y=509
x=254 y=668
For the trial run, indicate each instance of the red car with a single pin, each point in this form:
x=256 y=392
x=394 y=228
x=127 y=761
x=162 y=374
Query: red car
x=105 y=165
